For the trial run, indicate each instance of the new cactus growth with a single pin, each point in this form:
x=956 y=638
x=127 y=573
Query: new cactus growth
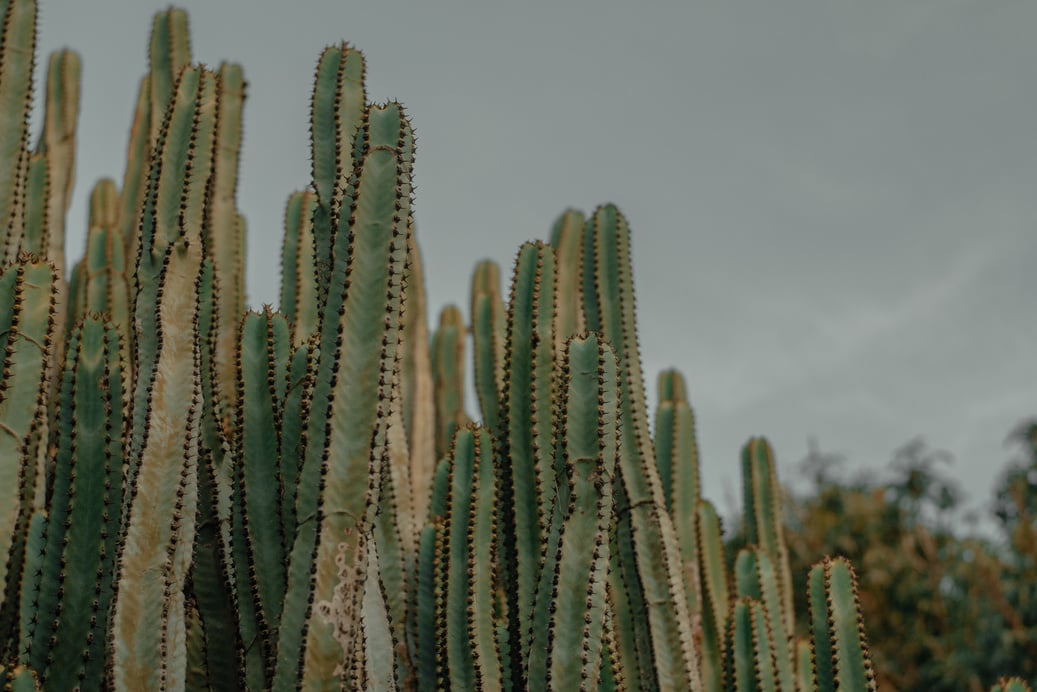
x=197 y=496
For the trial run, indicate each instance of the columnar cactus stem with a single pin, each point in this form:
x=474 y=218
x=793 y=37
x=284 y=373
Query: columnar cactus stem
x=567 y=241
x=58 y=144
x=27 y=290
x=359 y=355
x=417 y=405
x=169 y=52
x=224 y=231
x=298 y=267
x=258 y=541
x=647 y=542
x=149 y=634
x=448 y=366
x=714 y=596
x=135 y=176
x=77 y=564
x=677 y=458
x=756 y=578
x=105 y=275
x=763 y=518
x=527 y=437
x=336 y=113
x=841 y=659
x=489 y=325
x=575 y=580
x=17 y=52
x=35 y=230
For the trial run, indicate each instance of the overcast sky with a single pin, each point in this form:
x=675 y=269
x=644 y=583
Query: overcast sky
x=833 y=202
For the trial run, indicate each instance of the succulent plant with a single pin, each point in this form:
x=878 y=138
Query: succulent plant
x=198 y=496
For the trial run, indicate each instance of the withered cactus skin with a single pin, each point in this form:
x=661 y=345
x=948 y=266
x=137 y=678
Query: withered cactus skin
x=149 y=633
x=193 y=496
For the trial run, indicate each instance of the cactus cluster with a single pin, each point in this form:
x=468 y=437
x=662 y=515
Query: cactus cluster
x=199 y=496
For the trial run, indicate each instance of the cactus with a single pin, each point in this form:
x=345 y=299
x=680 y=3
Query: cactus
x=17 y=53
x=73 y=579
x=27 y=290
x=149 y=633
x=196 y=496
x=841 y=660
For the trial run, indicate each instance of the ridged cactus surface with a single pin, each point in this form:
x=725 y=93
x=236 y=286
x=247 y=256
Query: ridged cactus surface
x=195 y=495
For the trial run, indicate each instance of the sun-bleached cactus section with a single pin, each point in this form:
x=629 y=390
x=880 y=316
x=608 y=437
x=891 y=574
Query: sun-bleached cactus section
x=148 y=639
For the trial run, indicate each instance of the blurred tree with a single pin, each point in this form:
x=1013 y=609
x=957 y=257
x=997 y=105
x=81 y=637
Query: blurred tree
x=943 y=610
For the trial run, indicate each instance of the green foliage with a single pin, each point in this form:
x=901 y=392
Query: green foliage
x=944 y=610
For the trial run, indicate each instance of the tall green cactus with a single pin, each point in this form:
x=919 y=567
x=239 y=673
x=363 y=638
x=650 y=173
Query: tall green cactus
x=27 y=290
x=73 y=582
x=841 y=658
x=358 y=357
x=646 y=540
x=17 y=53
x=148 y=644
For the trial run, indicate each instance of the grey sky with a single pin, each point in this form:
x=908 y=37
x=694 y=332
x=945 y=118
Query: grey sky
x=833 y=202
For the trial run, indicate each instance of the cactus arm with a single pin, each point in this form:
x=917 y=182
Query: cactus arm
x=212 y=569
x=177 y=183
x=714 y=596
x=393 y=531
x=677 y=457
x=416 y=388
x=294 y=414
x=763 y=517
x=359 y=344
x=852 y=661
x=379 y=645
x=488 y=334
x=78 y=563
x=822 y=649
x=35 y=230
x=169 y=51
x=609 y=308
x=464 y=464
x=17 y=51
x=578 y=591
x=482 y=623
x=298 y=285
x=262 y=376
x=148 y=641
x=767 y=679
x=27 y=291
x=222 y=230
x=106 y=288
x=756 y=578
x=135 y=175
x=841 y=658
x=448 y=365
x=739 y=673
x=58 y=143
x=1010 y=685
x=336 y=112
x=804 y=666
x=425 y=617
x=567 y=241
x=32 y=576
x=527 y=436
